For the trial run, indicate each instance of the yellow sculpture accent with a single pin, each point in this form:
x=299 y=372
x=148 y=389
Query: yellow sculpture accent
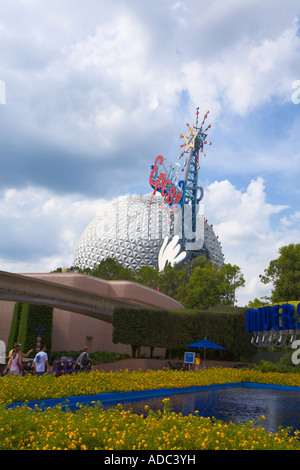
x=190 y=138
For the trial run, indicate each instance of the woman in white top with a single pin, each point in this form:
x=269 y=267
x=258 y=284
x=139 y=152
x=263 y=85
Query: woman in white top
x=14 y=362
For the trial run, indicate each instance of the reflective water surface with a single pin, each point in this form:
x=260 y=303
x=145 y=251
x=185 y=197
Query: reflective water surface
x=280 y=408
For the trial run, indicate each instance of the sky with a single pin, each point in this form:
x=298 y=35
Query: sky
x=91 y=92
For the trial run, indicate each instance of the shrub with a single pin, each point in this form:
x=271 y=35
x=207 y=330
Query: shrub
x=175 y=329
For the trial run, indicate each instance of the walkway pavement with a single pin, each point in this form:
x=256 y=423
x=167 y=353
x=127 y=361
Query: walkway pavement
x=157 y=364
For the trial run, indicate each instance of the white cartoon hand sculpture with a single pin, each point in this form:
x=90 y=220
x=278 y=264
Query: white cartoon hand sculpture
x=168 y=253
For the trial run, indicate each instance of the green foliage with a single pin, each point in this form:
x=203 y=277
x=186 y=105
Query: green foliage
x=175 y=329
x=14 y=328
x=284 y=365
x=209 y=285
x=147 y=276
x=111 y=269
x=256 y=303
x=26 y=320
x=172 y=278
x=137 y=327
x=202 y=290
x=281 y=367
x=284 y=274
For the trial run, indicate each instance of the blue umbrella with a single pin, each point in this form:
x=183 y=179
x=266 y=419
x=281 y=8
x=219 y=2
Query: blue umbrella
x=205 y=344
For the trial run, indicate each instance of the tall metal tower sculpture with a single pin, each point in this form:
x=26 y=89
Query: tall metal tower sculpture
x=195 y=140
x=182 y=196
x=151 y=230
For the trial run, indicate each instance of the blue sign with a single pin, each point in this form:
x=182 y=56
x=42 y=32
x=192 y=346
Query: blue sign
x=189 y=357
x=276 y=317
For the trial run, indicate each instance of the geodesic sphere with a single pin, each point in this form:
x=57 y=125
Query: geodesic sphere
x=132 y=230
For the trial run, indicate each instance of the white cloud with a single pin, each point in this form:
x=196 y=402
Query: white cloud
x=128 y=80
x=246 y=75
x=94 y=92
x=42 y=228
x=242 y=220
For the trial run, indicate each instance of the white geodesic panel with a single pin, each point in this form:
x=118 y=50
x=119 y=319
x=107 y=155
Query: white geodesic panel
x=132 y=230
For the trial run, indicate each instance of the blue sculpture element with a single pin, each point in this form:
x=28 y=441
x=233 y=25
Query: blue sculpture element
x=165 y=179
x=194 y=141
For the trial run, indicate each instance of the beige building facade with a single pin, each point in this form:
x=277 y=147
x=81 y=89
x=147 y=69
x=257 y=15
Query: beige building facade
x=72 y=331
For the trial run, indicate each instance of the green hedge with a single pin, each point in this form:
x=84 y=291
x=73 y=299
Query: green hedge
x=175 y=329
x=27 y=318
x=14 y=328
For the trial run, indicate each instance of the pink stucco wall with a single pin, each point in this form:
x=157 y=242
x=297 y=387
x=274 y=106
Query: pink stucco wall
x=73 y=330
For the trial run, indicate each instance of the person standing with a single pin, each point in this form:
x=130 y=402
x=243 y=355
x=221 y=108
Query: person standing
x=21 y=354
x=197 y=362
x=15 y=362
x=83 y=361
x=41 y=362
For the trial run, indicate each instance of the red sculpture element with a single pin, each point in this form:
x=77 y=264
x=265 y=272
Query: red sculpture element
x=161 y=184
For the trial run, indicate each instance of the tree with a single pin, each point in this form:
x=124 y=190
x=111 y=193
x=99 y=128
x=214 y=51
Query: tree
x=256 y=303
x=203 y=288
x=200 y=261
x=233 y=279
x=210 y=285
x=111 y=269
x=171 y=278
x=284 y=274
x=147 y=276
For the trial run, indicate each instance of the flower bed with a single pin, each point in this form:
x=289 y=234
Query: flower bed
x=94 y=428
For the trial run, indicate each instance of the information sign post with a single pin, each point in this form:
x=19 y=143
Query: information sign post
x=189 y=358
